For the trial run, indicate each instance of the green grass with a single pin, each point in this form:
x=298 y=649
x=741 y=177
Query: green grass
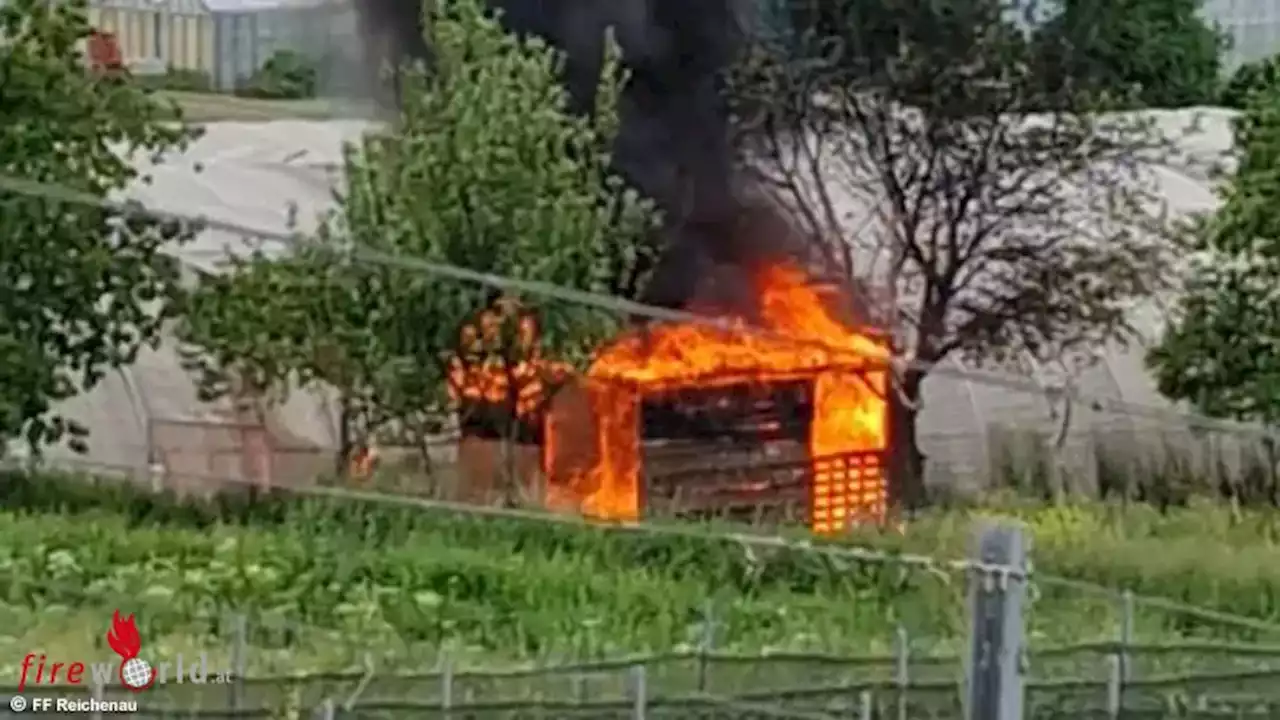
x=323 y=583
x=1204 y=554
x=201 y=107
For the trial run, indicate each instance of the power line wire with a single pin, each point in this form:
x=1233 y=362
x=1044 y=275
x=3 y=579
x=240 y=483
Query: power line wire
x=1159 y=603
x=1006 y=381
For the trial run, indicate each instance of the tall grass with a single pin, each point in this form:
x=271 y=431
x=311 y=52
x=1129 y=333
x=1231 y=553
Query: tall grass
x=326 y=581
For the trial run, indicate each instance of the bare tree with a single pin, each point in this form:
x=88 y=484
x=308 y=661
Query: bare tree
x=1002 y=221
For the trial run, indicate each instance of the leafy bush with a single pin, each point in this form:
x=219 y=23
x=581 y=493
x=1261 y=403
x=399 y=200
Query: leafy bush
x=286 y=75
x=1251 y=78
x=85 y=288
x=1153 y=53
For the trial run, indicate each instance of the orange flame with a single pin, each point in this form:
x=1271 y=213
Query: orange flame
x=123 y=636
x=597 y=471
x=592 y=447
x=481 y=373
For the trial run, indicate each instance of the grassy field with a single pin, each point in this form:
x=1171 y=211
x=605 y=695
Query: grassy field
x=326 y=585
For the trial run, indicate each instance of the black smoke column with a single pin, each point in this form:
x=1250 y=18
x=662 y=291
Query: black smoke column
x=673 y=145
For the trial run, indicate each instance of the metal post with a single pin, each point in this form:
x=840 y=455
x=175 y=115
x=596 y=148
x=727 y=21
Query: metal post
x=902 y=651
x=328 y=711
x=639 y=693
x=997 y=591
x=865 y=707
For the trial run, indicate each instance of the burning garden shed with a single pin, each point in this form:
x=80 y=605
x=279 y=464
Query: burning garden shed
x=777 y=413
x=685 y=418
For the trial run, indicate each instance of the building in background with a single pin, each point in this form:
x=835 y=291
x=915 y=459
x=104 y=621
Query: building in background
x=157 y=35
x=248 y=32
x=1253 y=25
x=146 y=418
x=231 y=39
x=227 y=41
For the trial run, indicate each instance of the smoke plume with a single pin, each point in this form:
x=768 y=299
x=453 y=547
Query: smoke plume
x=674 y=141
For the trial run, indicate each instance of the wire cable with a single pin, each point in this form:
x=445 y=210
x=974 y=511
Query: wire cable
x=1174 y=607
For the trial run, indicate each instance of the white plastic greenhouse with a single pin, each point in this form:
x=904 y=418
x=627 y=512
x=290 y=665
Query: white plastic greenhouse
x=250 y=174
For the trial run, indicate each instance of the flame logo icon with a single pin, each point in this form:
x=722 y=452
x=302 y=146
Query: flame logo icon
x=135 y=674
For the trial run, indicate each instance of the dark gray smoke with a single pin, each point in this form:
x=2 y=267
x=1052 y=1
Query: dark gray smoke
x=674 y=143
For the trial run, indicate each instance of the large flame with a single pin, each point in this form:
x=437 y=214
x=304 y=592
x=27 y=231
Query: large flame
x=592 y=451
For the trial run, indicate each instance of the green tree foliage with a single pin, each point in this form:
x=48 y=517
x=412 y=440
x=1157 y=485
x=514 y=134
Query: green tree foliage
x=1143 y=52
x=1223 y=352
x=862 y=33
x=1249 y=78
x=81 y=288
x=863 y=36
x=1153 y=53
x=273 y=323
x=486 y=168
x=286 y=75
